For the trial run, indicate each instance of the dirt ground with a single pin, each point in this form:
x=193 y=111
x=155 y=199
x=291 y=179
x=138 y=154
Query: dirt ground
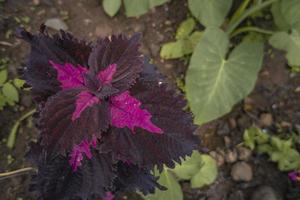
x=275 y=94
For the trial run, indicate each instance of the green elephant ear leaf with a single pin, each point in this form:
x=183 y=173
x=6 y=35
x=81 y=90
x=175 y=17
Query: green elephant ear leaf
x=279 y=19
x=111 y=7
x=289 y=43
x=185 y=28
x=210 y=13
x=215 y=83
x=168 y=180
x=207 y=174
x=189 y=167
x=172 y=50
x=11 y=93
x=136 y=8
x=290 y=11
x=3 y=76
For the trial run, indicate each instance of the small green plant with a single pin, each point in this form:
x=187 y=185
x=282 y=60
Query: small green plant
x=186 y=40
x=8 y=88
x=287 y=18
x=281 y=151
x=200 y=170
x=133 y=8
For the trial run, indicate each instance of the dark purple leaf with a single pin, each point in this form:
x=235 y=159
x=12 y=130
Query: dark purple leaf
x=55 y=179
x=60 y=132
x=68 y=75
x=146 y=149
x=126 y=112
x=84 y=100
x=81 y=150
x=106 y=75
x=59 y=48
x=132 y=178
x=120 y=51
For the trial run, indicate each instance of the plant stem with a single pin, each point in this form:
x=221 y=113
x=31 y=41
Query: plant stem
x=15 y=172
x=239 y=11
x=251 y=28
x=248 y=13
x=13 y=133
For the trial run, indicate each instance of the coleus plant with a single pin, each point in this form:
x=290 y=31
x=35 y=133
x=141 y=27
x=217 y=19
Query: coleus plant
x=106 y=117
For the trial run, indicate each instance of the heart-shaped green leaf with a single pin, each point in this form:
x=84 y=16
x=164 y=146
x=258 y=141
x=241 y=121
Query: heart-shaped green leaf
x=185 y=28
x=278 y=17
x=207 y=173
x=136 y=8
x=210 y=12
x=168 y=180
x=215 y=83
x=11 y=93
x=289 y=43
x=111 y=7
x=3 y=76
x=189 y=167
x=19 y=83
x=172 y=50
x=290 y=11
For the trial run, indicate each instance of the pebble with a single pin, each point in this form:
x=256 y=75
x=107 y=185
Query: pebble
x=231 y=156
x=232 y=123
x=242 y=171
x=264 y=193
x=168 y=22
x=266 y=119
x=227 y=141
x=238 y=195
x=36 y=2
x=56 y=24
x=139 y=28
x=168 y=66
x=285 y=124
x=244 y=153
x=218 y=157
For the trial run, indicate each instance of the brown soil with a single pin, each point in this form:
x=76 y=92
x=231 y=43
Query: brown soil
x=274 y=92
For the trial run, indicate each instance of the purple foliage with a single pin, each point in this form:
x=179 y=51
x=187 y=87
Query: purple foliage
x=107 y=117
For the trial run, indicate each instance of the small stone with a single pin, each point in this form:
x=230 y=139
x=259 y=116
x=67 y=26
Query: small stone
x=231 y=156
x=297 y=90
x=36 y=2
x=285 y=124
x=56 y=24
x=266 y=119
x=232 y=123
x=242 y=171
x=218 y=157
x=168 y=22
x=264 y=193
x=87 y=21
x=227 y=141
x=139 y=28
x=223 y=129
x=237 y=195
x=244 y=153
x=168 y=66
